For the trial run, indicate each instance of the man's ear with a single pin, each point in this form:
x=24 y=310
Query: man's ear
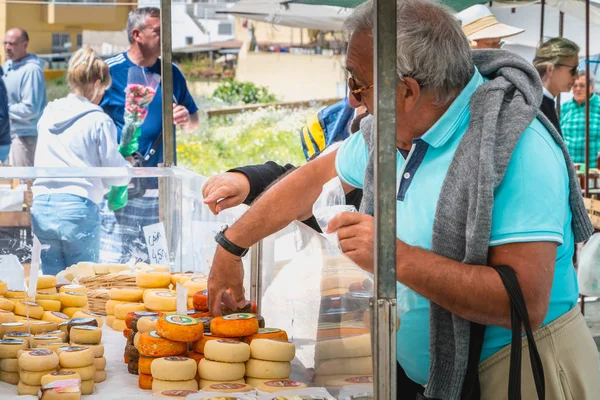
x=549 y=68
x=412 y=93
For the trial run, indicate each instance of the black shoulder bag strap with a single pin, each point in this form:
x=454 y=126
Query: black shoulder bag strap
x=154 y=147
x=520 y=318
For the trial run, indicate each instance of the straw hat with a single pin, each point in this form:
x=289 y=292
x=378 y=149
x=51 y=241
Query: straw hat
x=478 y=22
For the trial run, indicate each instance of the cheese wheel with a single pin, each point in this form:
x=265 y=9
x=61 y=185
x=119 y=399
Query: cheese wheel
x=55 y=316
x=45 y=295
x=272 y=350
x=16 y=326
x=346 y=347
x=111 y=304
x=268 y=369
x=153 y=345
x=6 y=316
x=34 y=378
x=145 y=381
x=160 y=385
x=71 y=311
x=85 y=334
x=342 y=380
x=153 y=279
x=24 y=389
x=101 y=269
x=76 y=357
x=51 y=346
x=64 y=327
x=24 y=336
x=119 y=325
x=160 y=268
x=227 y=351
x=180 y=328
x=58 y=333
x=202 y=383
x=196 y=284
x=83 y=269
x=218 y=371
x=88 y=314
x=116 y=268
x=195 y=356
x=9 y=377
x=59 y=376
x=36 y=341
x=110 y=319
x=200 y=300
x=228 y=387
x=73 y=288
x=174 y=369
x=121 y=310
x=174 y=394
x=47 y=291
x=60 y=392
x=234 y=325
x=87 y=387
x=147 y=324
x=81 y=322
x=99 y=376
x=15 y=300
x=14 y=294
x=266 y=333
x=131 y=352
x=9 y=365
x=145 y=364
x=136 y=339
x=199 y=346
x=46 y=282
x=3 y=288
x=280 y=385
x=49 y=305
x=160 y=300
x=97 y=349
x=86 y=373
x=137 y=316
x=73 y=299
x=345 y=366
x=100 y=363
x=6 y=304
x=37 y=327
x=29 y=309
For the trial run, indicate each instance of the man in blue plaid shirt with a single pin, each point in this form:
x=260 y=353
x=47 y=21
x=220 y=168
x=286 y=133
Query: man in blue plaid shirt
x=572 y=122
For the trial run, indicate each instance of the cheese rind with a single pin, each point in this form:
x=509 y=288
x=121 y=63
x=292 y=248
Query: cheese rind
x=97 y=349
x=206 y=382
x=218 y=371
x=85 y=335
x=227 y=351
x=160 y=300
x=145 y=381
x=272 y=350
x=87 y=387
x=267 y=369
x=55 y=316
x=6 y=316
x=28 y=309
x=174 y=369
x=9 y=365
x=73 y=288
x=86 y=373
x=278 y=385
x=34 y=378
x=100 y=363
x=9 y=377
x=121 y=310
x=46 y=282
x=49 y=305
x=153 y=345
x=153 y=279
x=73 y=299
x=160 y=385
x=99 y=376
x=76 y=357
x=266 y=333
x=10 y=347
x=228 y=387
x=24 y=389
x=6 y=304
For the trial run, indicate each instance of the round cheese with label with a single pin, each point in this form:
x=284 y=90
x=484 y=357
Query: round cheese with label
x=59 y=376
x=200 y=344
x=6 y=304
x=160 y=300
x=272 y=350
x=174 y=394
x=205 y=382
x=73 y=299
x=88 y=314
x=73 y=288
x=38 y=340
x=76 y=357
x=29 y=309
x=160 y=385
x=219 y=371
x=71 y=311
x=85 y=334
x=174 y=369
x=231 y=351
x=55 y=316
x=234 y=325
x=47 y=295
x=180 y=328
x=26 y=337
x=280 y=385
x=228 y=387
x=153 y=279
x=153 y=345
x=266 y=333
x=86 y=373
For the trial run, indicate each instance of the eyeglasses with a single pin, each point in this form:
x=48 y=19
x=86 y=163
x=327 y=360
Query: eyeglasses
x=356 y=91
x=573 y=69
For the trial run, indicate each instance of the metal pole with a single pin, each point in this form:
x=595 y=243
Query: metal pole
x=542 y=18
x=167 y=83
x=587 y=98
x=256 y=273
x=561 y=28
x=384 y=304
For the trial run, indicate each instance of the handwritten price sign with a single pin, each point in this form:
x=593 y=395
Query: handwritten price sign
x=156 y=241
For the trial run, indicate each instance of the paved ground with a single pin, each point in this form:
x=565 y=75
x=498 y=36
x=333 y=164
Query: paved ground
x=592 y=316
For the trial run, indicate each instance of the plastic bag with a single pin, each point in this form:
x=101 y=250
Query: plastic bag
x=331 y=202
x=588 y=273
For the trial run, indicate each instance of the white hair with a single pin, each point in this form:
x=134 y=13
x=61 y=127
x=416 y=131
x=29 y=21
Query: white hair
x=137 y=19
x=581 y=73
x=431 y=46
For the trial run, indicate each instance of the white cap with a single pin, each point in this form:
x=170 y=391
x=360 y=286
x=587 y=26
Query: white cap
x=478 y=22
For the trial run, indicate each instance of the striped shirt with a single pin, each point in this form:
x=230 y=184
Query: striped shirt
x=572 y=123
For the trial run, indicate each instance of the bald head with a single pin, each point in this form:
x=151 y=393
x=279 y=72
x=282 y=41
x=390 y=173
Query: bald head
x=15 y=44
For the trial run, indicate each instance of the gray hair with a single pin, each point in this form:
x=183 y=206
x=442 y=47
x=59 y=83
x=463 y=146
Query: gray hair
x=431 y=46
x=592 y=82
x=137 y=19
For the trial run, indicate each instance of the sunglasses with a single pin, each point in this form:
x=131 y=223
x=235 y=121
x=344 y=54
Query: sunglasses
x=574 y=70
x=355 y=90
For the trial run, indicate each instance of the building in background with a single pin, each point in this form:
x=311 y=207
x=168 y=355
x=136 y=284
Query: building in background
x=56 y=28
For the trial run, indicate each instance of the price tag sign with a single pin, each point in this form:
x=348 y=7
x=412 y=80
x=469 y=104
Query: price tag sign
x=156 y=240
x=182 y=296
x=34 y=270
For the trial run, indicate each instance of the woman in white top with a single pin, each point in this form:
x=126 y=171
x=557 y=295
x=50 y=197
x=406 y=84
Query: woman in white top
x=74 y=132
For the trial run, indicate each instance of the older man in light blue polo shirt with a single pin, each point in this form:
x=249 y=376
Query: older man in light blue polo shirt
x=483 y=180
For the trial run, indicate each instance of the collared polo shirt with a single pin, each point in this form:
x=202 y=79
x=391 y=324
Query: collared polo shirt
x=572 y=124
x=530 y=205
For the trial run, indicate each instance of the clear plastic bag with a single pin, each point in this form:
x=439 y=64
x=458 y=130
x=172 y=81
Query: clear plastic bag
x=331 y=202
x=588 y=273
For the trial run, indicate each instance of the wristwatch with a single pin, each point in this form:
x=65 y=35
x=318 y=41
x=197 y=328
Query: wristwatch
x=229 y=245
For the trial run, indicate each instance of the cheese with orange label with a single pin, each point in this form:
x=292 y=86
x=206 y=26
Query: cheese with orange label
x=180 y=328
x=153 y=345
x=234 y=325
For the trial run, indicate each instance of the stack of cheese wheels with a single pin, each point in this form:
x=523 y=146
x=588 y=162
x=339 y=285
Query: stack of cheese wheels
x=131 y=353
x=152 y=346
x=79 y=359
x=160 y=300
x=121 y=311
x=194 y=284
x=65 y=389
x=33 y=365
x=9 y=367
x=73 y=298
x=46 y=295
x=120 y=296
x=338 y=359
x=270 y=359
x=6 y=317
x=91 y=337
x=15 y=295
x=25 y=310
x=224 y=362
x=174 y=373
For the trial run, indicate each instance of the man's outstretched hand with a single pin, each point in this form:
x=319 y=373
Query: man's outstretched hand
x=227 y=272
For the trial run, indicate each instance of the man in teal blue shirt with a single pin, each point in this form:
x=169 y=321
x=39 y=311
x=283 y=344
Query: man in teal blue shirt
x=529 y=223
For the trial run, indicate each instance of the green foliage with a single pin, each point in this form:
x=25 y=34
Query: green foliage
x=199 y=68
x=254 y=137
x=234 y=92
x=57 y=88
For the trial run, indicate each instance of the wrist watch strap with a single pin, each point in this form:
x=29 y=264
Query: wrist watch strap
x=229 y=245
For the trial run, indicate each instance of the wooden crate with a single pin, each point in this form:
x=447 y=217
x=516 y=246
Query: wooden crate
x=593 y=208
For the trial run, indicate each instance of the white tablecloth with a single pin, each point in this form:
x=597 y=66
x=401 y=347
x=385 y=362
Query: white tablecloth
x=119 y=384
